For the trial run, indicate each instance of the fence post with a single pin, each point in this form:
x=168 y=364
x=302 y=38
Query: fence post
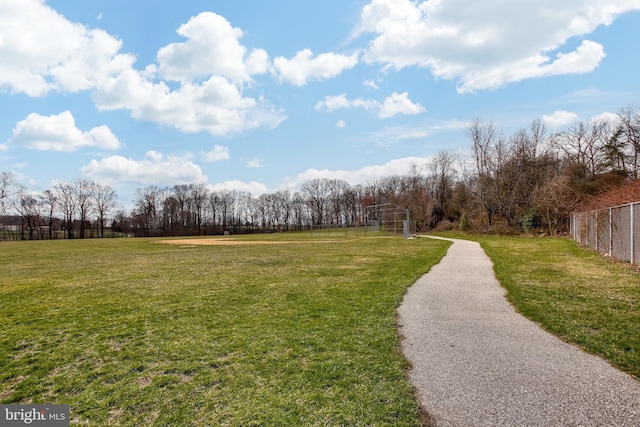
x=596 y=227
x=610 y=231
x=632 y=237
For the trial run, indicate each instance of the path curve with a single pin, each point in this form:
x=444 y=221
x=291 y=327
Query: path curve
x=476 y=362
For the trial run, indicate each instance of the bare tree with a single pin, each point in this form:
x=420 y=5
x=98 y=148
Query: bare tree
x=105 y=200
x=300 y=211
x=29 y=209
x=182 y=194
x=626 y=141
x=556 y=200
x=147 y=208
x=583 y=147
x=67 y=202
x=7 y=184
x=316 y=192
x=484 y=140
x=336 y=189
x=198 y=196
x=84 y=194
x=49 y=201
x=281 y=202
x=442 y=178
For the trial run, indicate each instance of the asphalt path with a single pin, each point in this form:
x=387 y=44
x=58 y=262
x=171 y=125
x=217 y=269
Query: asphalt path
x=477 y=362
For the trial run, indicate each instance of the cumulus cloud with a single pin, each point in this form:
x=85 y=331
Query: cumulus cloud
x=34 y=62
x=396 y=103
x=341 y=124
x=153 y=169
x=399 y=103
x=218 y=153
x=212 y=68
x=363 y=175
x=304 y=67
x=212 y=48
x=487 y=44
x=215 y=105
x=559 y=118
x=59 y=133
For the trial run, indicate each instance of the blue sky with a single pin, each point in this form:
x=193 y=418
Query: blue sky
x=260 y=95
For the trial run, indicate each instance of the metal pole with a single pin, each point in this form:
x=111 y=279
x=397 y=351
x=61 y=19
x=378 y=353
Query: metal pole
x=633 y=261
x=597 y=231
x=610 y=232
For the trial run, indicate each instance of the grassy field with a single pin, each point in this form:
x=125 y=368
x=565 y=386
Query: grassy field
x=572 y=292
x=133 y=332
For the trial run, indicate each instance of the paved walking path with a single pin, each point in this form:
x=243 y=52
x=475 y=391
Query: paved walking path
x=476 y=362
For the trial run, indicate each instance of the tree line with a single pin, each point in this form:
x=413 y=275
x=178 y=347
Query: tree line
x=529 y=180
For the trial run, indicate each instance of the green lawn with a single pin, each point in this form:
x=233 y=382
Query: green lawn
x=132 y=332
x=572 y=292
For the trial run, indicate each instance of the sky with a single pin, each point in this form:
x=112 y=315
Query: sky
x=261 y=96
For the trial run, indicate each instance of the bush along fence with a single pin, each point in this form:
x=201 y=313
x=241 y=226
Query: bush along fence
x=613 y=231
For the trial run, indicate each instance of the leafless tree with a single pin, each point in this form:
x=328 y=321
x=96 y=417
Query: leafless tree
x=198 y=195
x=7 y=189
x=105 y=200
x=486 y=143
x=316 y=192
x=147 y=208
x=583 y=146
x=84 y=195
x=441 y=180
x=67 y=203
x=49 y=202
x=556 y=200
x=29 y=209
x=300 y=211
x=626 y=141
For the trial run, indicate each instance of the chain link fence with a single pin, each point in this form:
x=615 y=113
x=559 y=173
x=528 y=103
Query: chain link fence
x=612 y=231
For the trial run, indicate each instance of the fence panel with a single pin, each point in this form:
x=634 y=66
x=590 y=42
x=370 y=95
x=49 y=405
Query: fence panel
x=614 y=231
x=621 y=233
x=603 y=232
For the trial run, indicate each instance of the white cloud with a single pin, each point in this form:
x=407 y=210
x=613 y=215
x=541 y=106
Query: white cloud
x=255 y=163
x=212 y=67
x=253 y=187
x=396 y=103
x=487 y=44
x=33 y=61
x=399 y=103
x=559 y=118
x=341 y=124
x=154 y=169
x=59 y=133
x=612 y=118
x=215 y=105
x=362 y=176
x=218 y=153
x=370 y=84
x=304 y=67
x=213 y=48
x=332 y=103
